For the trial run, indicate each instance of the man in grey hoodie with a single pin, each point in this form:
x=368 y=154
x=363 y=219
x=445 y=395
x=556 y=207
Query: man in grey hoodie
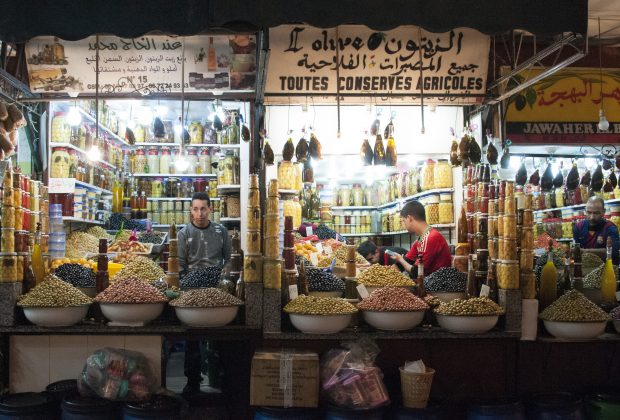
x=202 y=243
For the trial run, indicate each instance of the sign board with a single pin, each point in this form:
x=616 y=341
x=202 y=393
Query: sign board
x=61 y=185
x=564 y=108
x=150 y=64
x=305 y=60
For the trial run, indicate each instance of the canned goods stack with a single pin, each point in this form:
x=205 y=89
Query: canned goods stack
x=272 y=266
x=253 y=260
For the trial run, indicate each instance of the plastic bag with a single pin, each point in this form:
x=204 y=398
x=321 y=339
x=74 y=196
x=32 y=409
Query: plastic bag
x=117 y=374
x=349 y=377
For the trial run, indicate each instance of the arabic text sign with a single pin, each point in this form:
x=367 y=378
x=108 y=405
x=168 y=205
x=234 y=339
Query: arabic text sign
x=145 y=65
x=305 y=59
x=563 y=108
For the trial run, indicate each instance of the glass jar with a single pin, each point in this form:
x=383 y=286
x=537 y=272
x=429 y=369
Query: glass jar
x=157 y=188
x=559 y=197
x=195 y=132
x=427 y=175
x=431 y=209
x=228 y=169
x=298 y=177
x=368 y=198
x=61 y=163
x=192 y=160
x=286 y=175
x=442 y=174
x=153 y=160
x=358 y=195
x=446 y=209
x=164 y=160
x=204 y=161
x=139 y=133
x=61 y=130
x=345 y=195
x=140 y=162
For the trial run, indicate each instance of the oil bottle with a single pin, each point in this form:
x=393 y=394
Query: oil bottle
x=608 y=279
x=548 y=281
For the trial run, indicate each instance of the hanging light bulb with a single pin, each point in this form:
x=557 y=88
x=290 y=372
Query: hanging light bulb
x=94 y=153
x=603 y=124
x=145 y=116
x=181 y=163
x=73 y=116
x=219 y=110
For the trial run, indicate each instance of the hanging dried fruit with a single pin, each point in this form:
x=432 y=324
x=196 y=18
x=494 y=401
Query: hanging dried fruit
x=535 y=178
x=245 y=133
x=546 y=183
x=454 y=153
x=391 y=158
x=572 y=179
x=389 y=129
x=607 y=164
x=521 y=175
x=475 y=154
x=597 y=179
x=379 y=153
x=366 y=153
x=158 y=128
x=492 y=154
x=129 y=136
x=585 y=179
x=558 y=180
x=374 y=127
x=301 y=150
x=217 y=123
x=504 y=162
x=315 y=148
x=464 y=150
x=288 y=150
x=607 y=187
x=268 y=154
x=613 y=179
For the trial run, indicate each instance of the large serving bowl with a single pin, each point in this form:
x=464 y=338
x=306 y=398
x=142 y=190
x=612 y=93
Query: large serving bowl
x=448 y=296
x=56 y=317
x=131 y=312
x=320 y=324
x=206 y=317
x=393 y=320
x=575 y=330
x=467 y=324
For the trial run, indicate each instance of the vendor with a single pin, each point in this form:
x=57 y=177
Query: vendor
x=376 y=254
x=430 y=243
x=202 y=243
x=593 y=231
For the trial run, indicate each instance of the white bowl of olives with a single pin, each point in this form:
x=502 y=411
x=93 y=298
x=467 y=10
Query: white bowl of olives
x=575 y=330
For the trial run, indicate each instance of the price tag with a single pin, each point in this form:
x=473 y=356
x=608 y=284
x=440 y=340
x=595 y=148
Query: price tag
x=485 y=290
x=319 y=247
x=308 y=230
x=314 y=259
x=61 y=185
x=292 y=291
x=328 y=249
x=361 y=289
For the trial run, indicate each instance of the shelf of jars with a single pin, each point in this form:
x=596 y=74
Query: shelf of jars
x=84 y=153
x=415 y=196
x=576 y=206
x=92 y=187
x=212 y=145
x=64 y=107
x=149 y=175
x=395 y=233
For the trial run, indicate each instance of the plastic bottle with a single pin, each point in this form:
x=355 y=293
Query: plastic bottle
x=548 y=281
x=608 y=279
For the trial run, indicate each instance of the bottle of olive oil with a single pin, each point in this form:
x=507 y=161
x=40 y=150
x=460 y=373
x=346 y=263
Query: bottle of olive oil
x=608 y=279
x=548 y=281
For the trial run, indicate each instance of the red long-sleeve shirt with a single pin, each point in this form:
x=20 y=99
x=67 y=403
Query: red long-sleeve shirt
x=435 y=251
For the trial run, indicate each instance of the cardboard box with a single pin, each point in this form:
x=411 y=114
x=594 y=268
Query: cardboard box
x=285 y=379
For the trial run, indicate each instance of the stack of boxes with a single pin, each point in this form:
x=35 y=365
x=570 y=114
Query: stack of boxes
x=253 y=259
x=272 y=266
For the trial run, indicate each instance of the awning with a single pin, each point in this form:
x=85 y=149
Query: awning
x=21 y=20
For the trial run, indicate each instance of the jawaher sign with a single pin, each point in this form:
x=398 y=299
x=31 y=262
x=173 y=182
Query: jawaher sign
x=356 y=60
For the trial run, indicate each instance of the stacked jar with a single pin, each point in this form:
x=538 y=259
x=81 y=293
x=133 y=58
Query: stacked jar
x=253 y=260
x=293 y=208
x=288 y=255
x=508 y=264
x=527 y=282
x=431 y=208
x=446 y=208
x=427 y=175
x=172 y=276
x=8 y=256
x=272 y=266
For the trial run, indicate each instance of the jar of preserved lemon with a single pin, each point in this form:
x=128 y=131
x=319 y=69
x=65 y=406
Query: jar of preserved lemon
x=431 y=209
x=195 y=132
x=427 y=175
x=446 y=209
x=508 y=274
x=286 y=175
x=61 y=130
x=442 y=174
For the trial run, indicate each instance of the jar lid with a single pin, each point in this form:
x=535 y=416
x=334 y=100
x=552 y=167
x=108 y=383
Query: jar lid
x=8 y=254
x=7 y=229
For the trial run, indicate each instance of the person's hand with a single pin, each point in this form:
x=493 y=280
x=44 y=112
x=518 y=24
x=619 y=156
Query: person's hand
x=398 y=258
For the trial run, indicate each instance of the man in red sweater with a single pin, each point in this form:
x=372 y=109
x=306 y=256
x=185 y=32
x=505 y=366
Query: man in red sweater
x=430 y=244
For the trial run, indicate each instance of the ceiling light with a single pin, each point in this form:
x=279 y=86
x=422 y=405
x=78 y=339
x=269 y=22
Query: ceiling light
x=74 y=117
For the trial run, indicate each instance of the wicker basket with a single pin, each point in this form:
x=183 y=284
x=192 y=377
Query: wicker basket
x=416 y=387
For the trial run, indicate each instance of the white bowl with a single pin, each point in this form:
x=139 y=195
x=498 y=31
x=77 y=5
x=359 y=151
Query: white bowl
x=393 y=321
x=448 y=296
x=320 y=324
x=206 y=317
x=334 y=294
x=578 y=330
x=617 y=325
x=131 y=312
x=475 y=324
x=56 y=317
